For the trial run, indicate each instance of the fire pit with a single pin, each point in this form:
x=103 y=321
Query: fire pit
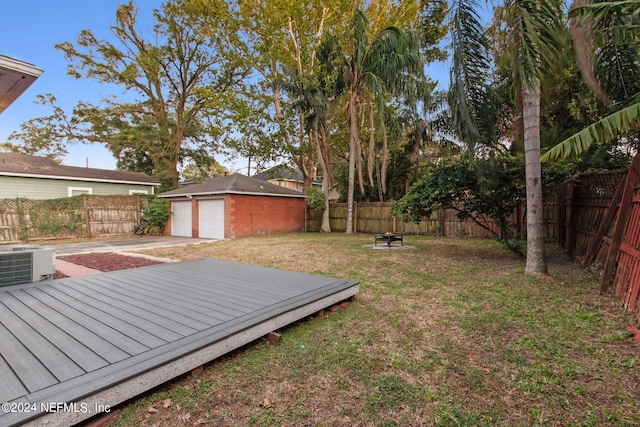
x=389 y=237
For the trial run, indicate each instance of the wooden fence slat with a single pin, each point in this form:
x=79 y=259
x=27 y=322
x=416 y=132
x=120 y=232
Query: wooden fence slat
x=621 y=221
x=604 y=225
x=376 y=218
x=91 y=216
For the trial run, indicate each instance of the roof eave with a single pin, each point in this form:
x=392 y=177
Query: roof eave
x=242 y=193
x=73 y=178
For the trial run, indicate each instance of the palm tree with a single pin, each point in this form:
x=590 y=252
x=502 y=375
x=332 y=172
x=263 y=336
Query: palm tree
x=387 y=65
x=535 y=29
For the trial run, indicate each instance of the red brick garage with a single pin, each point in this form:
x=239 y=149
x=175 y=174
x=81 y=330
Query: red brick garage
x=234 y=206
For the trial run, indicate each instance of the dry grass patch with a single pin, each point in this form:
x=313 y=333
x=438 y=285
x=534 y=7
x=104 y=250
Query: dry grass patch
x=449 y=334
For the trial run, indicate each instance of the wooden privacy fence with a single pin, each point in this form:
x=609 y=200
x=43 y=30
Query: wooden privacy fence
x=599 y=224
x=376 y=218
x=85 y=216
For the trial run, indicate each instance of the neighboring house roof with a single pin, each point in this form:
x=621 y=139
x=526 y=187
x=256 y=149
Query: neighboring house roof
x=15 y=77
x=283 y=173
x=233 y=184
x=12 y=164
x=280 y=172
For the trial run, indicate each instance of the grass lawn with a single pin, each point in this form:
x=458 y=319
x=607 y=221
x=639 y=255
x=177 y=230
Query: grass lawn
x=449 y=334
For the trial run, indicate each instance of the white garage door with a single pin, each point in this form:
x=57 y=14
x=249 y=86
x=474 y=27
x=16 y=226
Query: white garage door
x=211 y=219
x=181 y=219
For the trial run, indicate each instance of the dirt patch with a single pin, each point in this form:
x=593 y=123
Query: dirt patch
x=107 y=261
x=59 y=275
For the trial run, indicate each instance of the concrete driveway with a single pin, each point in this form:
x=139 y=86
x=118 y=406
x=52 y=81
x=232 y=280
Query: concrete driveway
x=133 y=243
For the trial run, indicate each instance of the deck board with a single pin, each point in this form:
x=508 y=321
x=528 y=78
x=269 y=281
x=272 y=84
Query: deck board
x=86 y=359
x=11 y=385
x=108 y=315
x=114 y=335
x=96 y=334
x=152 y=301
x=24 y=366
x=182 y=303
x=149 y=316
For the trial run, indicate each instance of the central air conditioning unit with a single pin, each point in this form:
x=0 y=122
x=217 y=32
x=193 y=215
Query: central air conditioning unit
x=26 y=264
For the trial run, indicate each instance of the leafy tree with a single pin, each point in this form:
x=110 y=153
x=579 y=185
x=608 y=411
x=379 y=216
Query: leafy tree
x=616 y=26
x=478 y=189
x=198 y=173
x=281 y=40
x=42 y=135
x=176 y=78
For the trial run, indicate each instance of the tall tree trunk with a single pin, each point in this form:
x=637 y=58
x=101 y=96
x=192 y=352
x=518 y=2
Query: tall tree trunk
x=385 y=160
x=354 y=140
x=372 y=144
x=536 y=264
x=323 y=157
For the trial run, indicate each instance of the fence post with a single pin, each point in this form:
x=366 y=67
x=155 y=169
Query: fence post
x=23 y=229
x=355 y=216
x=87 y=216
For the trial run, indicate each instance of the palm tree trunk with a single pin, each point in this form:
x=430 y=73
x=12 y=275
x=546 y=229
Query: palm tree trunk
x=354 y=140
x=385 y=160
x=372 y=144
x=321 y=135
x=536 y=264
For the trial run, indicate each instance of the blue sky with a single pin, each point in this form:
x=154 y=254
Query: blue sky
x=29 y=32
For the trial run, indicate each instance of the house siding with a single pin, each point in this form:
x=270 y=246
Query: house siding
x=255 y=215
x=41 y=188
x=291 y=185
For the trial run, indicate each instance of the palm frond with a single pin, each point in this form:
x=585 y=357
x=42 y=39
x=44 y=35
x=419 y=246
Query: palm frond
x=618 y=72
x=599 y=13
x=616 y=29
x=604 y=130
x=470 y=66
x=536 y=28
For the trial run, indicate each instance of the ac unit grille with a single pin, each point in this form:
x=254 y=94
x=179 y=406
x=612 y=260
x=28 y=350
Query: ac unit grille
x=26 y=264
x=16 y=268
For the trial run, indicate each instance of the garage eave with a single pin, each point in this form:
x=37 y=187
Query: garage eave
x=223 y=193
x=15 y=78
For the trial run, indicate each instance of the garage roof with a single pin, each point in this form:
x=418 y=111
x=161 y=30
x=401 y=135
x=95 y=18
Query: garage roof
x=15 y=77
x=233 y=184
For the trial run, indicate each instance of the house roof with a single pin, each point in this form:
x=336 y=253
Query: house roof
x=233 y=184
x=284 y=173
x=280 y=172
x=12 y=164
x=15 y=77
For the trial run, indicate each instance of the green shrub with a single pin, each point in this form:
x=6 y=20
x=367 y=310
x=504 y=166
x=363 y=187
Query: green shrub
x=156 y=213
x=316 y=198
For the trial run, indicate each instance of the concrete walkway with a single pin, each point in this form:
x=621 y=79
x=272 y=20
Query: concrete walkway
x=74 y=270
x=133 y=243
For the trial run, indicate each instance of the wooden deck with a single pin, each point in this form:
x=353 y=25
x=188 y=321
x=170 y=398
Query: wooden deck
x=73 y=347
